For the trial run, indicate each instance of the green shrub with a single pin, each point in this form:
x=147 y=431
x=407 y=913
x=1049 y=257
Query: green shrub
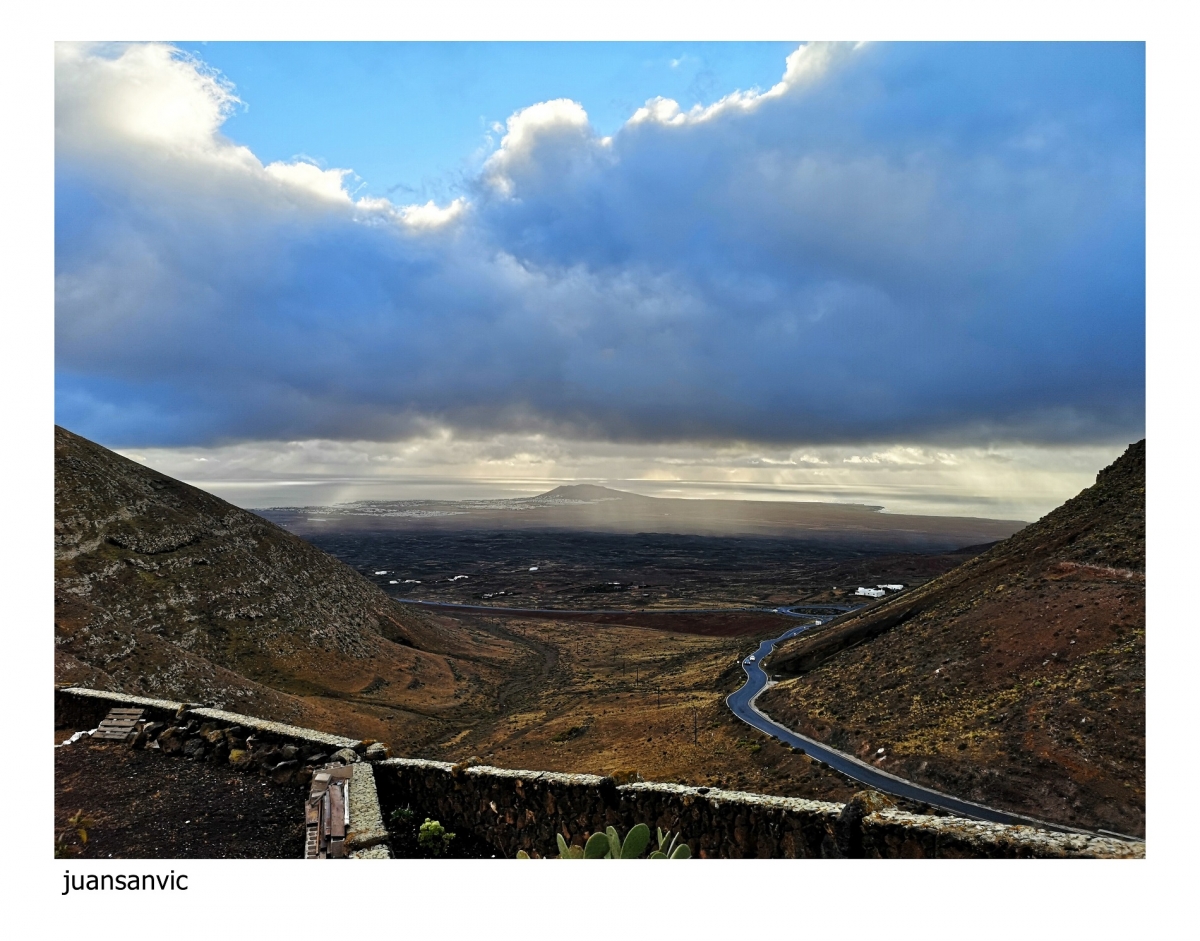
x=433 y=838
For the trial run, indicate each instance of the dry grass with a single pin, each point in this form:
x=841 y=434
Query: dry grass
x=616 y=700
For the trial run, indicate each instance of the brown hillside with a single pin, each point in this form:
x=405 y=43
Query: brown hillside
x=1017 y=679
x=165 y=590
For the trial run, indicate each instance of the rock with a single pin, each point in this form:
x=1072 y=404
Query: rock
x=463 y=765
x=212 y=735
x=378 y=751
x=239 y=757
x=268 y=758
x=302 y=776
x=282 y=773
x=289 y=752
x=194 y=748
x=345 y=756
x=171 y=740
x=235 y=733
x=146 y=734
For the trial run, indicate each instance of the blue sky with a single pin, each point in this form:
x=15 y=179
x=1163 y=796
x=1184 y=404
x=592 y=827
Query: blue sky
x=415 y=120
x=779 y=247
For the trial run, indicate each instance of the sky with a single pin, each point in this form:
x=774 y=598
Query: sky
x=906 y=274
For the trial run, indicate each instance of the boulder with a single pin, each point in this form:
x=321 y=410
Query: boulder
x=289 y=752
x=239 y=757
x=194 y=748
x=345 y=756
x=146 y=734
x=268 y=758
x=283 y=772
x=171 y=740
x=378 y=751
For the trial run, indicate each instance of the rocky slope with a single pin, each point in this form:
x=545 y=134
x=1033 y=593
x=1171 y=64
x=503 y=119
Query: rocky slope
x=165 y=590
x=1017 y=679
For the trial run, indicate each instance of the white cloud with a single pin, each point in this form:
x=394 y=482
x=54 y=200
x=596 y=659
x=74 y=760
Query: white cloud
x=543 y=138
x=144 y=93
x=431 y=215
x=804 y=66
x=152 y=114
x=324 y=184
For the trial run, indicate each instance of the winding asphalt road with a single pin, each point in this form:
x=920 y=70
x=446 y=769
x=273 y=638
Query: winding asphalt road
x=742 y=705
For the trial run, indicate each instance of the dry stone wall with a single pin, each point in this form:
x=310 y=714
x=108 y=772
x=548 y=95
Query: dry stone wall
x=524 y=810
x=286 y=755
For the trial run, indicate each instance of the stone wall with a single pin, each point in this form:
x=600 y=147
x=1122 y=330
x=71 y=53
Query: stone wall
x=513 y=810
x=286 y=755
x=523 y=810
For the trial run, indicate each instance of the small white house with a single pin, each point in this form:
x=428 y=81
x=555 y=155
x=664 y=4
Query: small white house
x=871 y=592
x=891 y=587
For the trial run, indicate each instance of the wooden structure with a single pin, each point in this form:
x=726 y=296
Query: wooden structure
x=327 y=813
x=120 y=725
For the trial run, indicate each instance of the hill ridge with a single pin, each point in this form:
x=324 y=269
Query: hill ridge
x=964 y=681
x=163 y=589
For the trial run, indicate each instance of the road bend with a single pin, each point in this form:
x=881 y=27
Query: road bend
x=741 y=703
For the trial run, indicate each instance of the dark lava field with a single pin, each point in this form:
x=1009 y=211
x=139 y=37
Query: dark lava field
x=582 y=570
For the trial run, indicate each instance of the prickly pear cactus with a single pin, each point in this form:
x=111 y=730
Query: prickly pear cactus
x=609 y=845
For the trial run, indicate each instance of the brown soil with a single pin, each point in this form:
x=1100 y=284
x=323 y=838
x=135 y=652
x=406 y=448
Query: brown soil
x=143 y=805
x=1017 y=680
x=622 y=700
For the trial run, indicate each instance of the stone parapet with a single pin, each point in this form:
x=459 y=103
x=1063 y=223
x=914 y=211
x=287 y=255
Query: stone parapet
x=891 y=834
x=77 y=707
x=515 y=810
x=524 y=810
x=368 y=836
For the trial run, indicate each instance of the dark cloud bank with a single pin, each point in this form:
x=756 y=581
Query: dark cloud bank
x=898 y=242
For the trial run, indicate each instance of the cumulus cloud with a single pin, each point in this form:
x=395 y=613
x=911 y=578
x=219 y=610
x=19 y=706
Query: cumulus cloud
x=891 y=243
